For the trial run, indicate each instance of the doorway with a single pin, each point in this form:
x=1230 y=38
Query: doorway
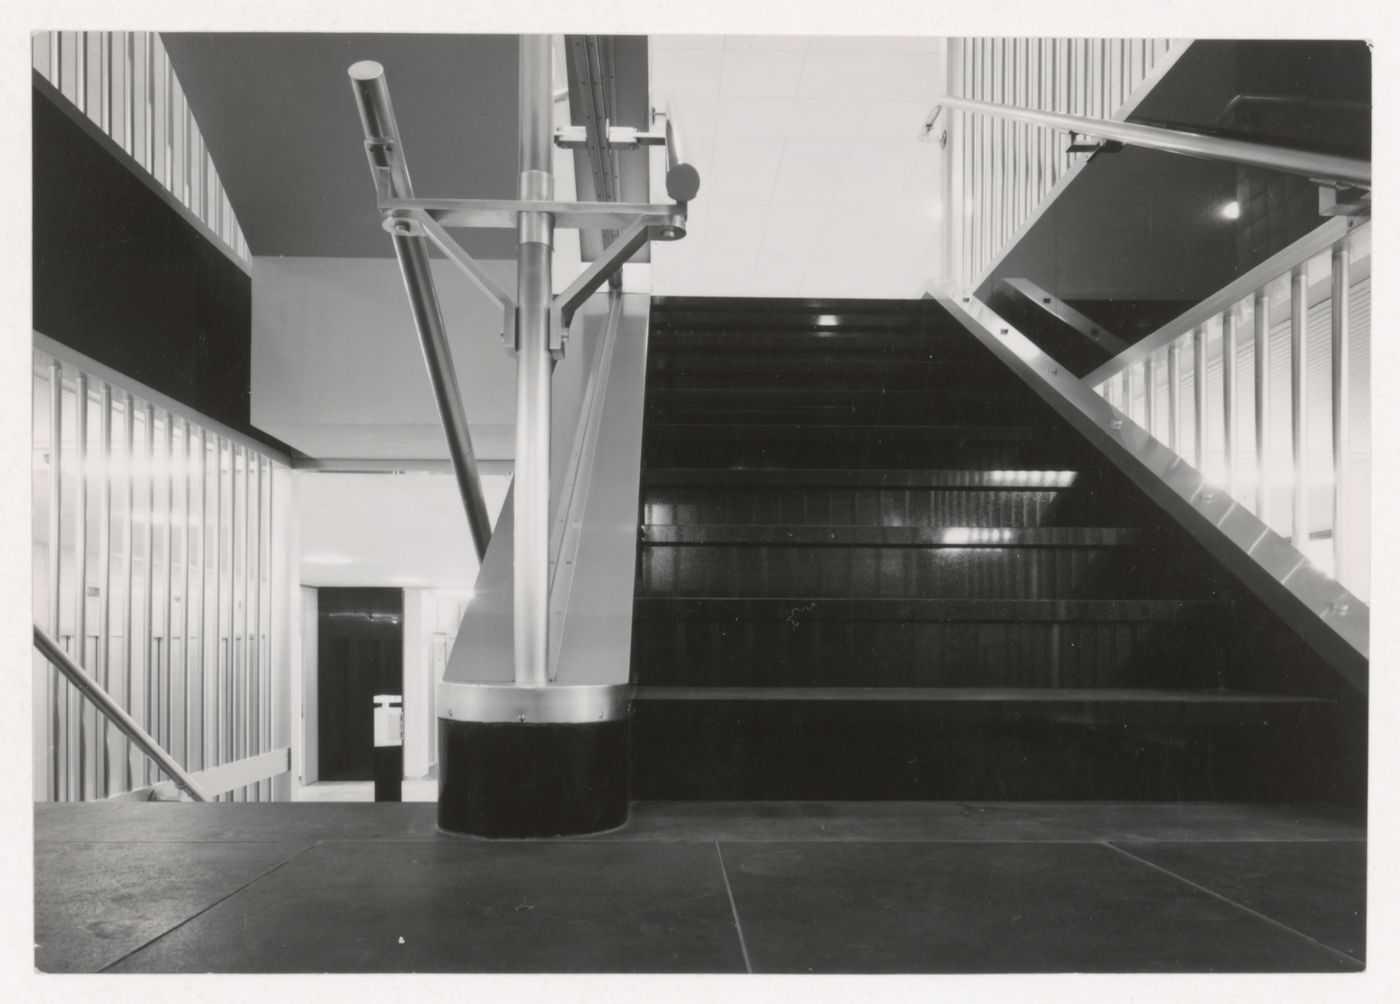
x=359 y=654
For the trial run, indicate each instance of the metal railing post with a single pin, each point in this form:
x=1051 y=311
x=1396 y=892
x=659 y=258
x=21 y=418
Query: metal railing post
x=534 y=294
x=1298 y=344
x=1261 y=405
x=1341 y=404
x=1198 y=389
x=1228 y=346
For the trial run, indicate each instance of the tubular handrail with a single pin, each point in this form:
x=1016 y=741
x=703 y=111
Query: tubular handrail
x=114 y=712
x=1321 y=167
x=387 y=164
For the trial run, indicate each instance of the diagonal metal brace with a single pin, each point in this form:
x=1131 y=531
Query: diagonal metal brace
x=468 y=265
x=614 y=256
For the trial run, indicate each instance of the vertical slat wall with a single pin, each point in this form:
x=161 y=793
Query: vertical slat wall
x=1005 y=170
x=123 y=81
x=152 y=555
x=1295 y=488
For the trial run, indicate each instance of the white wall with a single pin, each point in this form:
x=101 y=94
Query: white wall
x=430 y=620
x=337 y=370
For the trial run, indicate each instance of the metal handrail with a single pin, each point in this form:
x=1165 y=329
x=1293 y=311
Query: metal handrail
x=1321 y=167
x=104 y=703
x=385 y=152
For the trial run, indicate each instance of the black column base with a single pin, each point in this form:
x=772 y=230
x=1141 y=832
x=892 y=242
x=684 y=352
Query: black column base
x=508 y=779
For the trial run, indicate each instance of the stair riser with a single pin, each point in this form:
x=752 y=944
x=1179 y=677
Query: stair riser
x=753 y=449
x=851 y=507
x=932 y=573
x=809 y=652
x=831 y=375
x=932 y=411
x=776 y=751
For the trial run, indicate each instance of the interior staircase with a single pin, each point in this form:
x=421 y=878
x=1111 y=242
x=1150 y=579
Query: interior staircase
x=875 y=565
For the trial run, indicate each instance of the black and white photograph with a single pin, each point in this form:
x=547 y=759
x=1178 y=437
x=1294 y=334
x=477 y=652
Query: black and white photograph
x=848 y=501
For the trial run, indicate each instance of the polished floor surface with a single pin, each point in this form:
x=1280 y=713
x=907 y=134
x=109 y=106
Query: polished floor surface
x=937 y=887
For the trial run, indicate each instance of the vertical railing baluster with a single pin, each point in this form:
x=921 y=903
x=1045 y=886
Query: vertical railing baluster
x=219 y=575
x=1298 y=345
x=1174 y=396
x=1149 y=395
x=1198 y=376
x=186 y=691
x=129 y=630
x=57 y=686
x=148 y=648
x=1228 y=349
x=245 y=696
x=80 y=736
x=1261 y=404
x=258 y=692
x=103 y=666
x=166 y=676
x=203 y=674
x=1341 y=403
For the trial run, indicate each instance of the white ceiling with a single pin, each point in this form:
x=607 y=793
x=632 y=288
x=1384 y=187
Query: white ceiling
x=814 y=179
x=388 y=529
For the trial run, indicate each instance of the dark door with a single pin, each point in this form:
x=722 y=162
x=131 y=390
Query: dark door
x=360 y=653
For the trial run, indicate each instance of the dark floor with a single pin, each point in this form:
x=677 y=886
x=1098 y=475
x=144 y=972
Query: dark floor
x=935 y=887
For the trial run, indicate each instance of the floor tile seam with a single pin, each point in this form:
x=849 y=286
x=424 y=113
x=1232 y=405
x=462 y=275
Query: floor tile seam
x=1236 y=904
x=199 y=913
x=733 y=908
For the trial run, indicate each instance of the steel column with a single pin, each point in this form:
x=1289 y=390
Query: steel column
x=534 y=292
x=1341 y=405
x=1298 y=345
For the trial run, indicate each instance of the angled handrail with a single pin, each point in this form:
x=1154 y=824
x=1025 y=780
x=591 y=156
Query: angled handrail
x=94 y=692
x=1323 y=167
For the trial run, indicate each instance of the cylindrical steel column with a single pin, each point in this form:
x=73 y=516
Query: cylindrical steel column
x=534 y=291
x=1341 y=404
x=1298 y=345
x=1261 y=405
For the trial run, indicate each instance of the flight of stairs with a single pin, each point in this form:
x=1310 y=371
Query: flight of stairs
x=874 y=565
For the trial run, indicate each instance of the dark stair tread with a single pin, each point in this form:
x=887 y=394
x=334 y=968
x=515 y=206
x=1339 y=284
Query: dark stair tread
x=982 y=695
x=815 y=477
x=700 y=534
x=743 y=608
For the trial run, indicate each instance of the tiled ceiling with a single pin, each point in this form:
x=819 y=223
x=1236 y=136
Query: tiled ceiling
x=814 y=178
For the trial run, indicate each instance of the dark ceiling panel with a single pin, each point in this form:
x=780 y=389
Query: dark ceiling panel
x=277 y=114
